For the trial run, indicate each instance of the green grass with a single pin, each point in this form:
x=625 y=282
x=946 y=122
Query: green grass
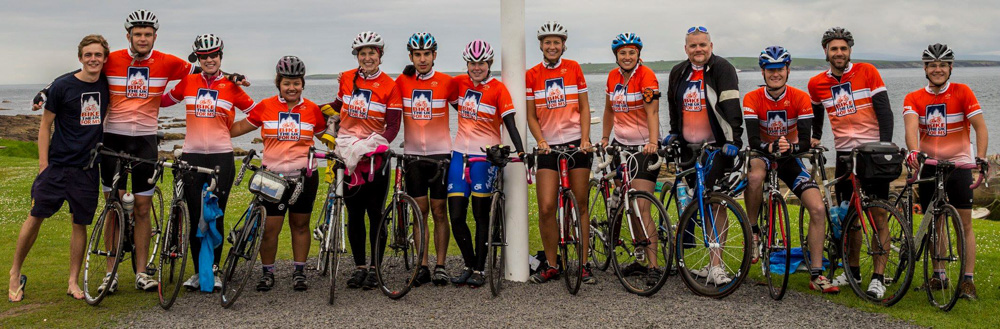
x=18 y=149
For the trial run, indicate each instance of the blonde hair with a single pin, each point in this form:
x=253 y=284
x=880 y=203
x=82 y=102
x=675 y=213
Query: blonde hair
x=92 y=39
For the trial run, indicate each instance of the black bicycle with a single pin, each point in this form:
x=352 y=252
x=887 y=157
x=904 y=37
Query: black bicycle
x=174 y=239
x=112 y=236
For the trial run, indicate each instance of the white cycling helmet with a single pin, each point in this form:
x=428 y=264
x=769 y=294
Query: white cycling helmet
x=552 y=28
x=478 y=51
x=141 y=18
x=206 y=44
x=367 y=39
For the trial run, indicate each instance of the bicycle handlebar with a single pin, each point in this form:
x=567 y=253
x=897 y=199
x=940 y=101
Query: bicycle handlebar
x=923 y=159
x=634 y=149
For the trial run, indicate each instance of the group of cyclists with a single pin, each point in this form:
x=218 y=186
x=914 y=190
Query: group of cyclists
x=115 y=100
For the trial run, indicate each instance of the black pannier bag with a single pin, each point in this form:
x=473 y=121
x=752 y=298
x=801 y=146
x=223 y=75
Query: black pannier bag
x=879 y=160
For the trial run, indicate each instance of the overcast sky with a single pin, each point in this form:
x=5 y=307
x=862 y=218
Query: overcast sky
x=39 y=38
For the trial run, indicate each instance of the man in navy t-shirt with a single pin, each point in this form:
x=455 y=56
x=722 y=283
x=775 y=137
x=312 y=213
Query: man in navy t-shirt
x=77 y=104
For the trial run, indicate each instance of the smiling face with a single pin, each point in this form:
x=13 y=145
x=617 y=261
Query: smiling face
x=698 y=47
x=92 y=57
x=290 y=89
x=210 y=63
x=478 y=71
x=141 y=39
x=552 y=48
x=423 y=60
x=937 y=72
x=627 y=57
x=838 y=53
x=775 y=78
x=368 y=59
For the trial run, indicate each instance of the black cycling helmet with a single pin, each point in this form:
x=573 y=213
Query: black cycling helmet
x=938 y=52
x=837 y=33
x=290 y=67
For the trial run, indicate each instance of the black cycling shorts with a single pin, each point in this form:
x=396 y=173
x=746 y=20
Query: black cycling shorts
x=876 y=188
x=303 y=205
x=418 y=174
x=721 y=165
x=579 y=160
x=794 y=173
x=957 y=187
x=143 y=147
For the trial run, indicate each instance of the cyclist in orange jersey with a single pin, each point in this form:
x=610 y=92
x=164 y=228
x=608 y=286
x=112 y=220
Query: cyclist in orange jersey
x=937 y=119
x=559 y=115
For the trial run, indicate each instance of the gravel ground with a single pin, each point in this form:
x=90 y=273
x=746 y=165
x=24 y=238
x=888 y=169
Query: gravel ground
x=605 y=304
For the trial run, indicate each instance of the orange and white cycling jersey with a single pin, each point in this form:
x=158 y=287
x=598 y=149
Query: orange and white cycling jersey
x=697 y=128
x=778 y=117
x=848 y=103
x=944 y=121
x=481 y=109
x=630 y=125
x=365 y=105
x=556 y=93
x=287 y=134
x=136 y=89
x=210 y=108
x=425 y=113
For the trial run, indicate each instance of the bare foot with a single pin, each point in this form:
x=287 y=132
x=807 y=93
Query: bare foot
x=74 y=291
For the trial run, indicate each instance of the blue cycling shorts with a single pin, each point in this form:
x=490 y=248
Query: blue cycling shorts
x=476 y=179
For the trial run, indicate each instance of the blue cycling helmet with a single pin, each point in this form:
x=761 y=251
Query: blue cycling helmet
x=625 y=39
x=774 y=57
x=422 y=41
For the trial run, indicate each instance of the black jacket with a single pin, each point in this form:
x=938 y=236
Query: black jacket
x=722 y=91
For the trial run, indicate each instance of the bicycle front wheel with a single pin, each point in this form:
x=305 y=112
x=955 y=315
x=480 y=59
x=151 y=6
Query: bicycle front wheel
x=156 y=215
x=242 y=256
x=881 y=250
x=944 y=257
x=173 y=255
x=713 y=246
x=496 y=241
x=777 y=247
x=334 y=239
x=100 y=268
x=599 y=216
x=571 y=244
x=638 y=259
x=399 y=264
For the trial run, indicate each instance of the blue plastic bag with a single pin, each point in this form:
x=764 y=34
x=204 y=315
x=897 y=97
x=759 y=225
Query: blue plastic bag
x=210 y=238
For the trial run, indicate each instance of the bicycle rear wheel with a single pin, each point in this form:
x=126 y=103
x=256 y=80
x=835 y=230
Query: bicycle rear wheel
x=888 y=245
x=323 y=225
x=776 y=228
x=333 y=239
x=399 y=264
x=496 y=241
x=173 y=255
x=104 y=247
x=156 y=215
x=242 y=256
x=944 y=257
x=638 y=259
x=599 y=216
x=713 y=261
x=571 y=245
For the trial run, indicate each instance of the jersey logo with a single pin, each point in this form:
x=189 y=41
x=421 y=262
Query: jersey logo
x=421 y=104
x=692 y=97
x=289 y=126
x=843 y=100
x=358 y=106
x=90 y=109
x=470 y=104
x=204 y=104
x=937 y=120
x=137 y=82
x=555 y=93
x=777 y=123
x=619 y=99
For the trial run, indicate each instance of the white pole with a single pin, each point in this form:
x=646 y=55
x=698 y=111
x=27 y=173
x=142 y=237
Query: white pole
x=512 y=59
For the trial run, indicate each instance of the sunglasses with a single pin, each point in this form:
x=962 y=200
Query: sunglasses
x=701 y=29
x=207 y=56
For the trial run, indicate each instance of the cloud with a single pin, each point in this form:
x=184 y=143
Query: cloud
x=40 y=38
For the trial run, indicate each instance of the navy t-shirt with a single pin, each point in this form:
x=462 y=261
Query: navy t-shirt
x=80 y=108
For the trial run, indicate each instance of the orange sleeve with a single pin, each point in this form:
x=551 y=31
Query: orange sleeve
x=242 y=101
x=971 y=106
x=505 y=105
x=395 y=100
x=181 y=68
x=256 y=117
x=649 y=81
x=581 y=81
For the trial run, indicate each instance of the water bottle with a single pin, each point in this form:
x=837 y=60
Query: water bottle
x=128 y=201
x=837 y=214
x=683 y=195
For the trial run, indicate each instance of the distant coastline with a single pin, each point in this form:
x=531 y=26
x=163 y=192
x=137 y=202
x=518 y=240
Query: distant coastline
x=741 y=63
